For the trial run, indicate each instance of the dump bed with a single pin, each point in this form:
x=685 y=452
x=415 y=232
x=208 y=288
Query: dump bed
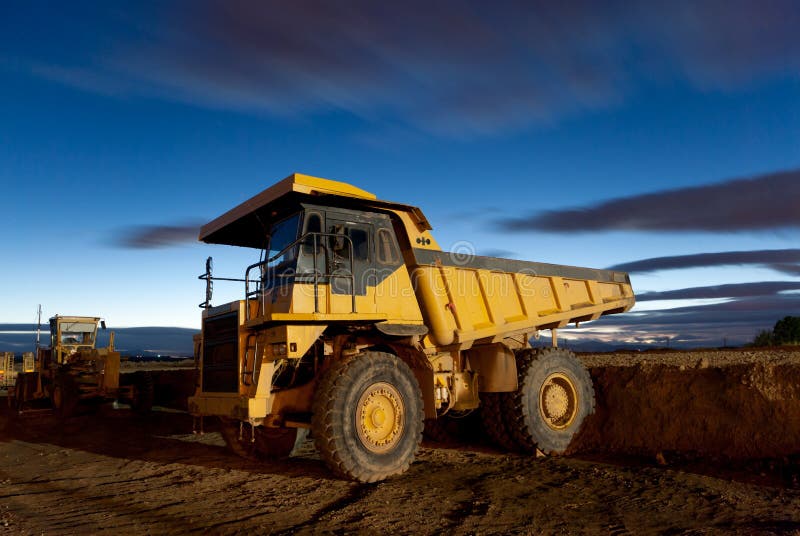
x=471 y=299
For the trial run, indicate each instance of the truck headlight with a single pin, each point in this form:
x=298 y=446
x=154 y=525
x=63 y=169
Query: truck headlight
x=279 y=348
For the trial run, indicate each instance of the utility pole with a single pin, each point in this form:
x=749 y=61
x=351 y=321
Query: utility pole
x=38 y=329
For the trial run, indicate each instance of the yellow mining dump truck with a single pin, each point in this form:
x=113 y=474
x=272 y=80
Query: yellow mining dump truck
x=356 y=325
x=72 y=369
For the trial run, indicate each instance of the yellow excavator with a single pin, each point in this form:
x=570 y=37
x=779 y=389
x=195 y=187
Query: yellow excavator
x=72 y=370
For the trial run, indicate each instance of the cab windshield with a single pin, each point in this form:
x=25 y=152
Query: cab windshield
x=77 y=337
x=81 y=333
x=281 y=235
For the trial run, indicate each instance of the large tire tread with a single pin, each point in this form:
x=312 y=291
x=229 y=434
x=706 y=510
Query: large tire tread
x=522 y=414
x=514 y=402
x=493 y=420
x=329 y=408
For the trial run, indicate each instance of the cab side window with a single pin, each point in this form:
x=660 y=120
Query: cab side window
x=360 y=240
x=312 y=224
x=359 y=237
x=386 y=248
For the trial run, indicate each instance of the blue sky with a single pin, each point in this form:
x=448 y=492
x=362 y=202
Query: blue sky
x=119 y=120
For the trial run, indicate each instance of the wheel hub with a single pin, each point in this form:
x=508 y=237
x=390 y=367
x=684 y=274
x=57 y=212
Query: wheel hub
x=558 y=401
x=379 y=417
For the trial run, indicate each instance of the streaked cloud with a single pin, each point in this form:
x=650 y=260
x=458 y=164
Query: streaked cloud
x=156 y=236
x=734 y=290
x=733 y=322
x=502 y=253
x=781 y=260
x=791 y=269
x=762 y=203
x=451 y=68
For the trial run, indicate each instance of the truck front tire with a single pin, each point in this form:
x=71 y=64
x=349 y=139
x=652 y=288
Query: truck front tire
x=368 y=417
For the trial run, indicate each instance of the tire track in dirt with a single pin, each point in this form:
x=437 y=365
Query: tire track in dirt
x=474 y=505
x=356 y=494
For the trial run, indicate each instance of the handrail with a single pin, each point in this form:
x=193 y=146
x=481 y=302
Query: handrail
x=209 y=279
x=316 y=274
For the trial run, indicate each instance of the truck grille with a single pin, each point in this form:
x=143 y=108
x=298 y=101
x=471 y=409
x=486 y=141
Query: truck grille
x=221 y=354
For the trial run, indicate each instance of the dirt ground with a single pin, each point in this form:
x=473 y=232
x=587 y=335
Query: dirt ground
x=681 y=443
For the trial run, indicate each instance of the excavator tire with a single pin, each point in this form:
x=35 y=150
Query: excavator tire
x=554 y=397
x=368 y=417
x=64 y=395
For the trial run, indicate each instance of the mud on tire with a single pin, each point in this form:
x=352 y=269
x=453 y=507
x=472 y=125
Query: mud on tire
x=493 y=421
x=554 y=397
x=368 y=417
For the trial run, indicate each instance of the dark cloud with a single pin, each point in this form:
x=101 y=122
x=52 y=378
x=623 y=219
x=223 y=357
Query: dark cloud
x=753 y=312
x=766 y=202
x=453 y=68
x=503 y=253
x=791 y=269
x=781 y=260
x=156 y=236
x=734 y=290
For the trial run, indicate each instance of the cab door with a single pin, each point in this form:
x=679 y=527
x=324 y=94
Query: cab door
x=359 y=237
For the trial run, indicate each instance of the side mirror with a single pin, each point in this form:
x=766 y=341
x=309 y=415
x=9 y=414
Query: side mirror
x=103 y=324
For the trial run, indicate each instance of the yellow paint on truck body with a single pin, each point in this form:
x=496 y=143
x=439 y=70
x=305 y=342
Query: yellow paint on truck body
x=465 y=305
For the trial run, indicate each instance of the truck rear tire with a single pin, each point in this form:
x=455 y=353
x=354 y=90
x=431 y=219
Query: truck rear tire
x=368 y=417
x=554 y=397
x=270 y=443
x=493 y=421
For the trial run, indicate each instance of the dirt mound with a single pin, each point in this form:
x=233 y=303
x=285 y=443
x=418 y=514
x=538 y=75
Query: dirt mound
x=713 y=409
x=735 y=404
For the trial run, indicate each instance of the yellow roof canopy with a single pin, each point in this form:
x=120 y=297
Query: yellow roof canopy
x=247 y=224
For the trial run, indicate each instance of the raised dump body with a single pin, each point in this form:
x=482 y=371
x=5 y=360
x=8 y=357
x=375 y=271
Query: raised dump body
x=476 y=300
x=356 y=324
